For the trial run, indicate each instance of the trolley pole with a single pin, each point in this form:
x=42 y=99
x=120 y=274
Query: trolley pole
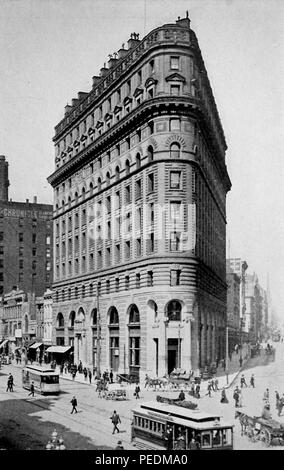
x=227 y=354
x=98 y=335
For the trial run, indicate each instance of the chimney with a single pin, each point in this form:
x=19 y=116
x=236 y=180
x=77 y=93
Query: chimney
x=4 y=178
x=74 y=102
x=27 y=201
x=122 y=52
x=96 y=80
x=103 y=71
x=67 y=109
x=133 y=41
x=82 y=94
x=184 y=22
x=112 y=60
x=35 y=199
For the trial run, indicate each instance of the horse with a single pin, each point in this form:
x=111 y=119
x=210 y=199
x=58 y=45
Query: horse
x=150 y=383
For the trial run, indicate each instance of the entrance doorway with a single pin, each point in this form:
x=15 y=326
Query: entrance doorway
x=172 y=354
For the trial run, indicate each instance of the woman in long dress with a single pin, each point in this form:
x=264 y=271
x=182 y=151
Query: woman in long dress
x=224 y=398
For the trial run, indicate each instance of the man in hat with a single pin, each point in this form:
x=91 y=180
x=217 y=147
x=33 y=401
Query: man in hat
x=119 y=446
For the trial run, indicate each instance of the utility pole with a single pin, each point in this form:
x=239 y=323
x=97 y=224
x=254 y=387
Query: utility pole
x=227 y=354
x=98 y=334
x=243 y=306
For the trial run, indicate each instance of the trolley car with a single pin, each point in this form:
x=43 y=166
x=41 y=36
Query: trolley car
x=163 y=426
x=45 y=380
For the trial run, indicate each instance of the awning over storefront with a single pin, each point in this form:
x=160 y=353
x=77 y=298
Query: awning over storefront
x=58 y=349
x=3 y=343
x=35 y=345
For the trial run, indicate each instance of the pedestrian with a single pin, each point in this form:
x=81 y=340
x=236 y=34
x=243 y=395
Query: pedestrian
x=119 y=446
x=181 y=396
x=32 y=390
x=168 y=437
x=277 y=396
x=73 y=374
x=193 y=390
x=8 y=389
x=90 y=376
x=74 y=404
x=236 y=397
x=209 y=389
x=266 y=413
x=137 y=391
x=111 y=376
x=252 y=380
x=213 y=384
x=216 y=382
x=11 y=383
x=193 y=445
x=85 y=372
x=266 y=396
x=280 y=404
x=243 y=381
x=240 y=403
x=115 y=419
x=241 y=361
x=197 y=391
x=224 y=399
x=230 y=355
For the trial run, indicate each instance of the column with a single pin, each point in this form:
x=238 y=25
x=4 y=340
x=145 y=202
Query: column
x=162 y=353
x=186 y=346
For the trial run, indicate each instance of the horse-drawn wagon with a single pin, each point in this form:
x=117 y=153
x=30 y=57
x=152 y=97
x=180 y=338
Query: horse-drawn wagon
x=260 y=429
x=176 y=401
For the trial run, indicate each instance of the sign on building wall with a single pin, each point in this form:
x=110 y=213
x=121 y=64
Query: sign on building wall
x=18 y=333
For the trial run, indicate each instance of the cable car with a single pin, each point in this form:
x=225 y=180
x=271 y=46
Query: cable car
x=163 y=426
x=45 y=379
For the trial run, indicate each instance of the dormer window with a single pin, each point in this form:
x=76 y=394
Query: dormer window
x=76 y=143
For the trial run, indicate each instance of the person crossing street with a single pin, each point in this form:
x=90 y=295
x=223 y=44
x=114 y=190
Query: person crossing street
x=74 y=404
x=115 y=419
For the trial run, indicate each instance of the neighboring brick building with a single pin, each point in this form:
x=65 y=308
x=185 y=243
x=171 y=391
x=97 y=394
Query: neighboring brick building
x=140 y=211
x=25 y=242
x=233 y=309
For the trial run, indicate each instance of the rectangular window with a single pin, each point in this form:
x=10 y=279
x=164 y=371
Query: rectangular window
x=108 y=255
x=175 y=180
x=138 y=247
x=138 y=279
x=99 y=259
x=175 y=241
x=151 y=66
x=107 y=286
x=1 y=263
x=117 y=200
x=108 y=204
x=175 y=211
x=126 y=282
x=127 y=194
x=175 y=90
x=21 y=264
x=127 y=249
x=21 y=237
x=139 y=77
x=151 y=183
x=21 y=251
x=34 y=251
x=34 y=237
x=117 y=253
x=151 y=242
x=117 y=284
x=174 y=63
x=175 y=277
x=174 y=124
x=109 y=230
x=138 y=189
x=150 y=278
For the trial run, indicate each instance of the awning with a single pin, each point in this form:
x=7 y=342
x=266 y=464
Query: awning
x=3 y=343
x=58 y=349
x=35 y=345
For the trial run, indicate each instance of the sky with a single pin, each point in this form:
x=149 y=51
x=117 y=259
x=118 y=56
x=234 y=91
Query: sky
x=50 y=49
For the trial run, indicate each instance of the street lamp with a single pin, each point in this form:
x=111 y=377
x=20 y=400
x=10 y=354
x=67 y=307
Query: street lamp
x=243 y=280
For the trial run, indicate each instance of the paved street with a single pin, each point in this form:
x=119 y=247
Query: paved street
x=27 y=423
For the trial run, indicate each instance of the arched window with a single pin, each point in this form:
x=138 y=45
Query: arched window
x=113 y=316
x=175 y=150
x=138 y=160
x=56 y=207
x=60 y=321
x=76 y=197
x=150 y=153
x=83 y=193
x=174 y=310
x=117 y=173
x=134 y=340
x=108 y=179
x=63 y=203
x=69 y=201
x=76 y=292
x=83 y=291
x=134 y=316
x=91 y=188
x=99 y=184
x=94 y=317
x=72 y=319
x=127 y=167
x=69 y=294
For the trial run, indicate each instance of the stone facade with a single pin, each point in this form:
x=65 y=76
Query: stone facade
x=140 y=212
